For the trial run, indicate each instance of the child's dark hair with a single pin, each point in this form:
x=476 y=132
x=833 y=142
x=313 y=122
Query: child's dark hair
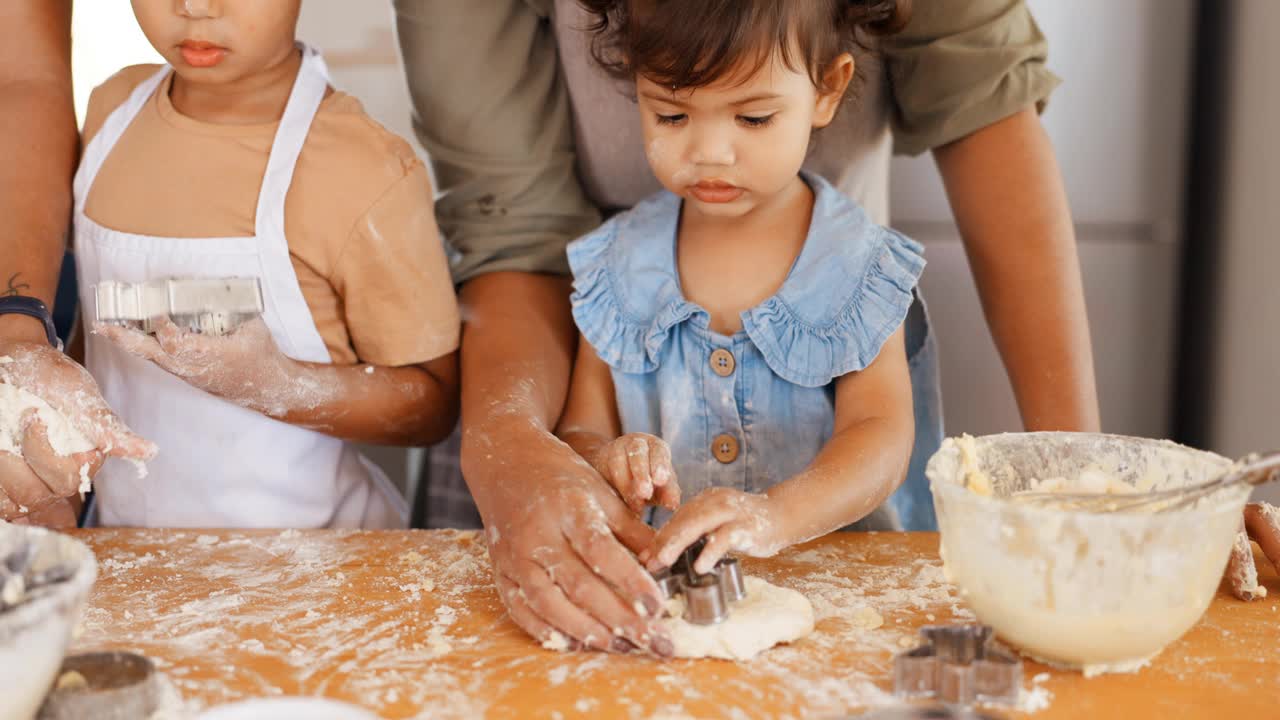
x=693 y=43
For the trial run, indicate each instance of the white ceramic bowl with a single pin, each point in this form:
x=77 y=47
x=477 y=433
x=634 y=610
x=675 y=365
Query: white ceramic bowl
x=34 y=635
x=1101 y=592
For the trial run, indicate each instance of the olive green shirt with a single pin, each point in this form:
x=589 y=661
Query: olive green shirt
x=493 y=109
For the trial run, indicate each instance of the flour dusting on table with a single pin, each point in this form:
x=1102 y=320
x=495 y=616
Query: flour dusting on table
x=409 y=626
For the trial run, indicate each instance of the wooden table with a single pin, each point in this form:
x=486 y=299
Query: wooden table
x=408 y=625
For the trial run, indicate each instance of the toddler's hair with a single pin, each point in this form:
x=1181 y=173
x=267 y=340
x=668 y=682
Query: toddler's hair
x=693 y=43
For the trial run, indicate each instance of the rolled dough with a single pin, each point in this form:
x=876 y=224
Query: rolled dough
x=15 y=402
x=769 y=615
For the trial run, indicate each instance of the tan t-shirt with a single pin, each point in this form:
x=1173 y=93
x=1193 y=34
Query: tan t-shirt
x=358 y=218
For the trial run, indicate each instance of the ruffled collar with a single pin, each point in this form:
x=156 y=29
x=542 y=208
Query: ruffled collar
x=628 y=293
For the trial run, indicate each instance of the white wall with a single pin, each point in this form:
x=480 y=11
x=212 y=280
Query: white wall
x=105 y=39
x=1245 y=399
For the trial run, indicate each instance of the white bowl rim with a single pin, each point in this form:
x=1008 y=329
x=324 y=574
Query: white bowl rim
x=953 y=488
x=73 y=590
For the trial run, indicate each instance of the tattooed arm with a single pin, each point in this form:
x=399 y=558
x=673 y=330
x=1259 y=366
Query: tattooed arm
x=38 y=143
x=38 y=139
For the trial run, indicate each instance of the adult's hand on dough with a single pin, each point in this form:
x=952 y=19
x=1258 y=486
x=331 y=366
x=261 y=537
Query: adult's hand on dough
x=732 y=520
x=558 y=540
x=242 y=367
x=40 y=479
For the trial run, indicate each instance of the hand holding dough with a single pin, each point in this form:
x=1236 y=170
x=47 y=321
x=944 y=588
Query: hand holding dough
x=55 y=429
x=1262 y=525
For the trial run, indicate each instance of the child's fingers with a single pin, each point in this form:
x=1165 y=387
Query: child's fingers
x=131 y=341
x=620 y=471
x=660 y=469
x=667 y=496
x=702 y=515
x=159 y=349
x=719 y=543
x=637 y=449
x=178 y=342
x=666 y=488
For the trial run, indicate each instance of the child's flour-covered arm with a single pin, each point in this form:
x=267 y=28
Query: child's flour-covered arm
x=861 y=465
x=392 y=342
x=409 y=405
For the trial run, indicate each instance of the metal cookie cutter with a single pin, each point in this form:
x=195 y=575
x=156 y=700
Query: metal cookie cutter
x=213 y=306
x=707 y=597
x=961 y=665
x=103 y=686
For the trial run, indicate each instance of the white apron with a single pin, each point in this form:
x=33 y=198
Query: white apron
x=221 y=465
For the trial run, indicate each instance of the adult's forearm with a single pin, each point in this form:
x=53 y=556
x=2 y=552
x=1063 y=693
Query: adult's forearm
x=38 y=144
x=517 y=352
x=1006 y=192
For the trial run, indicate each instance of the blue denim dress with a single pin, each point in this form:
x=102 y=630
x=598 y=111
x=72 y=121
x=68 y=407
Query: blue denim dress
x=751 y=410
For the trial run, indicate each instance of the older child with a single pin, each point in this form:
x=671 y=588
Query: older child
x=238 y=159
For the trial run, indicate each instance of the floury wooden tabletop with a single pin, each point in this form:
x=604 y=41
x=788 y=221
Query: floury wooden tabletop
x=407 y=624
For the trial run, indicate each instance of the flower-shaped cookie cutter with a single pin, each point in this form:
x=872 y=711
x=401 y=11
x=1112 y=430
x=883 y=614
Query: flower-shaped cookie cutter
x=959 y=665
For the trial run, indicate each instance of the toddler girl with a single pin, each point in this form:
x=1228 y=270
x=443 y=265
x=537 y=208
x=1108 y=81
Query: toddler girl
x=741 y=331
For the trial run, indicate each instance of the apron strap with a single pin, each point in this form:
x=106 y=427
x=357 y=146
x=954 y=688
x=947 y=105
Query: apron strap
x=308 y=92
x=117 y=122
x=302 y=340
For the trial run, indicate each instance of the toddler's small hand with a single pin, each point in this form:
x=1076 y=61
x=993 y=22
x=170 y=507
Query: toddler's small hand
x=732 y=520
x=639 y=467
x=1261 y=525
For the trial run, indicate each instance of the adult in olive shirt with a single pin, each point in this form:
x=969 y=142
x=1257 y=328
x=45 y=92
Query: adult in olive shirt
x=532 y=146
